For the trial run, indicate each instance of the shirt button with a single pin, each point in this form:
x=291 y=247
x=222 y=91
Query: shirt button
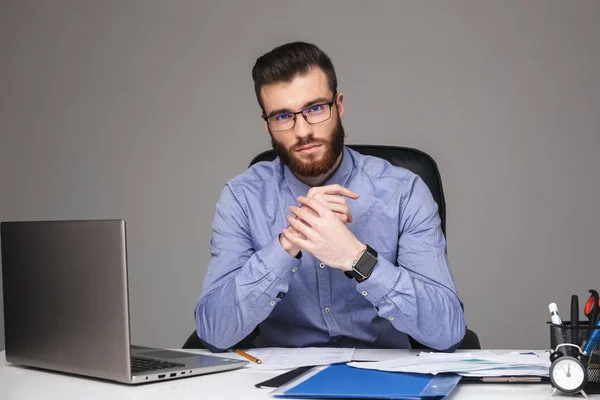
x=327 y=309
x=321 y=265
x=364 y=293
x=272 y=303
x=391 y=317
x=294 y=269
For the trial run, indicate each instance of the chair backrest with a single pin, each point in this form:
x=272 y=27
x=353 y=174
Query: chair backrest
x=412 y=159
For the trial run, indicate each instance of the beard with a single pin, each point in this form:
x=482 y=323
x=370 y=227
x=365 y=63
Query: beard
x=314 y=166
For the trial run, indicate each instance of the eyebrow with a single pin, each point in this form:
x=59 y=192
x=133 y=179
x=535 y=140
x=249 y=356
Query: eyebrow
x=320 y=100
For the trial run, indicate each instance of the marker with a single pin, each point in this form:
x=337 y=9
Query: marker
x=555 y=318
x=554 y=314
x=574 y=311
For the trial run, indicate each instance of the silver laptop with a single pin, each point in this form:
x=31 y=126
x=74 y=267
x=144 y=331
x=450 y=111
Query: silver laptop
x=66 y=305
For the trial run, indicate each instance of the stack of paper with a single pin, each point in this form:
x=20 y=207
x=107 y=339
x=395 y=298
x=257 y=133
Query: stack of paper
x=479 y=363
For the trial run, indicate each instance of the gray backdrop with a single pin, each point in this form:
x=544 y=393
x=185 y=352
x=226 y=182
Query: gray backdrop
x=142 y=110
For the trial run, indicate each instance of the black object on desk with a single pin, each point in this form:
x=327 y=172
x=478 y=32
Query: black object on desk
x=286 y=377
x=282 y=379
x=504 y=379
x=574 y=310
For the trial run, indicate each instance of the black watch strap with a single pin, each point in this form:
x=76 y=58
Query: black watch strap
x=363 y=265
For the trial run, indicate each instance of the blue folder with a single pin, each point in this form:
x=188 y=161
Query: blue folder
x=342 y=381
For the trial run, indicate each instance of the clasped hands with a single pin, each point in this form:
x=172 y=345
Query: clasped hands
x=319 y=227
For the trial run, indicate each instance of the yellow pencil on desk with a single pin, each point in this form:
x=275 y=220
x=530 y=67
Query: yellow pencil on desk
x=248 y=356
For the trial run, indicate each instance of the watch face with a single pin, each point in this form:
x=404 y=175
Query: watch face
x=568 y=374
x=366 y=264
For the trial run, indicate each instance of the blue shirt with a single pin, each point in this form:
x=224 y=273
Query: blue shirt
x=252 y=281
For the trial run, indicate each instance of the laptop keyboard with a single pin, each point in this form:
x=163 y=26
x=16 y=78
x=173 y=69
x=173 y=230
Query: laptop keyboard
x=139 y=364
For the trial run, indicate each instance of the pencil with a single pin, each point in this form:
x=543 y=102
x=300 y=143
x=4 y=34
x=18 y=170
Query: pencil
x=248 y=356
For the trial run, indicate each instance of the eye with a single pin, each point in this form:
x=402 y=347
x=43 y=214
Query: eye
x=283 y=117
x=316 y=108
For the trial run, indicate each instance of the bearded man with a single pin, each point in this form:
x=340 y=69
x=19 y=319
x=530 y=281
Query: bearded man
x=323 y=246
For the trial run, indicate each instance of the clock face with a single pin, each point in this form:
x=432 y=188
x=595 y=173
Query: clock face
x=568 y=374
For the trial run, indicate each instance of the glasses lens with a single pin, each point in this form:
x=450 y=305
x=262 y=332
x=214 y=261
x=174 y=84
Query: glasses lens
x=317 y=113
x=281 y=122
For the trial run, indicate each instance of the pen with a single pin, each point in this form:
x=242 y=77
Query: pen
x=248 y=356
x=574 y=310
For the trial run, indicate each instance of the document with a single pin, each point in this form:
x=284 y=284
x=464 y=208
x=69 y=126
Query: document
x=280 y=358
x=478 y=363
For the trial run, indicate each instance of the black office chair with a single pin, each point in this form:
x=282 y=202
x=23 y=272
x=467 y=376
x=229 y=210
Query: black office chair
x=414 y=160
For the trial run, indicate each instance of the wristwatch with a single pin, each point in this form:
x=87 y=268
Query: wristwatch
x=363 y=266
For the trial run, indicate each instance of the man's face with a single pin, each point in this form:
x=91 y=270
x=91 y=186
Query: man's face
x=309 y=150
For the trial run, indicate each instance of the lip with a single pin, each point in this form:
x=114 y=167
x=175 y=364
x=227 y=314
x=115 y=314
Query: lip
x=308 y=149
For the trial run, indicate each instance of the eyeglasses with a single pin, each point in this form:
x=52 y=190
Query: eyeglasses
x=314 y=114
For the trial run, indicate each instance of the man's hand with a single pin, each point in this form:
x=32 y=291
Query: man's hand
x=292 y=249
x=332 y=197
x=325 y=236
x=288 y=246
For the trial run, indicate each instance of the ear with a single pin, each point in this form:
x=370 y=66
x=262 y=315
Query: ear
x=340 y=104
x=262 y=116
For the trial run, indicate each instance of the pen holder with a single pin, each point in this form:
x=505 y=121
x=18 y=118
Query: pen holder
x=577 y=334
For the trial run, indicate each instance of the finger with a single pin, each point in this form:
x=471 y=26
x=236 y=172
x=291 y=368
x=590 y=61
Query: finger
x=331 y=198
x=314 y=204
x=337 y=204
x=332 y=189
x=311 y=211
x=300 y=227
x=300 y=220
x=304 y=215
x=296 y=240
x=340 y=209
x=336 y=207
x=342 y=217
x=320 y=197
x=295 y=232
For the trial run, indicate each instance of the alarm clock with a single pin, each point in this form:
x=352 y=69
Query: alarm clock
x=569 y=374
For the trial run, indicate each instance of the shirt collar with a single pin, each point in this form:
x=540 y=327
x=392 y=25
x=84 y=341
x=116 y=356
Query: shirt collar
x=341 y=176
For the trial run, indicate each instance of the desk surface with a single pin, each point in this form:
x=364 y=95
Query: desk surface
x=18 y=383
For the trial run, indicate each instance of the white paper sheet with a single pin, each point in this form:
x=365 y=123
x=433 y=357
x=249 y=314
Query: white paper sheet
x=478 y=363
x=276 y=358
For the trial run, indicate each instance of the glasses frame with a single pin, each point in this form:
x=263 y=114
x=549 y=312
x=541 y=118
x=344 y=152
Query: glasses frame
x=301 y=112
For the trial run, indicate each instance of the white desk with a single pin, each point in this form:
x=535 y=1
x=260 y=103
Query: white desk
x=17 y=383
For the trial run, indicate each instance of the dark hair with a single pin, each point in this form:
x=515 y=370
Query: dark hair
x=285 y=62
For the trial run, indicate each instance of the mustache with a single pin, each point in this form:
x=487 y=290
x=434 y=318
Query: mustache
x=306 y=141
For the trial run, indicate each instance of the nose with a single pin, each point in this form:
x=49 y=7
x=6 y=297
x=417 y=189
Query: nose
x=302 y=128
